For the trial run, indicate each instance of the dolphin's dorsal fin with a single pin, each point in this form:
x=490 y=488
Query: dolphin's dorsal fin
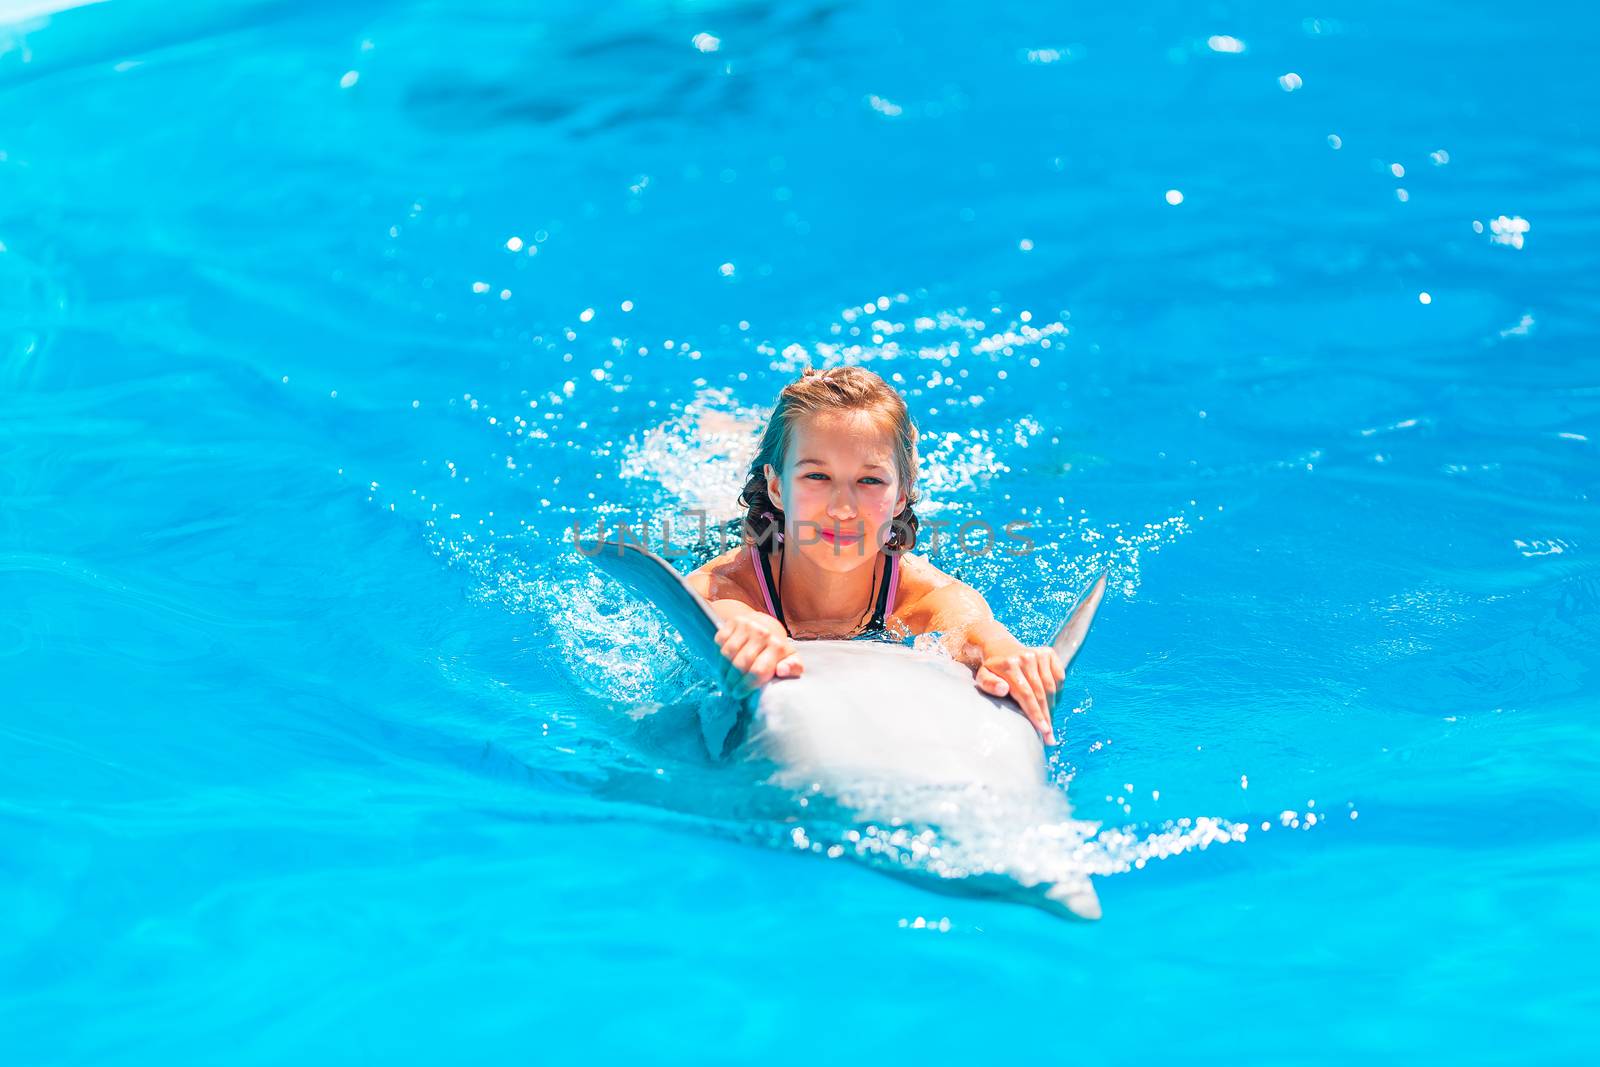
x=655 y=580
x=1070 y=637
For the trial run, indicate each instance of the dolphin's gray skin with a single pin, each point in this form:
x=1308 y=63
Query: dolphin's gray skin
x=900 y=737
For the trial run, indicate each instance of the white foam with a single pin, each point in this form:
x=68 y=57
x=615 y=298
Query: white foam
x=701 y=455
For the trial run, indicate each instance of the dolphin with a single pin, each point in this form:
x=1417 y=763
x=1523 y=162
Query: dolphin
x=899 y=737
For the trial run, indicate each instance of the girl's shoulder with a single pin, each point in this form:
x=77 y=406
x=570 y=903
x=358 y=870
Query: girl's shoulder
x=730 y=576
x=930 y=599
x=919 y=579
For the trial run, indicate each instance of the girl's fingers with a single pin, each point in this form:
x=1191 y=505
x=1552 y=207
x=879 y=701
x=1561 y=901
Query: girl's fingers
x=776 y=661
x=1013 y=680
x=733 y=642
x=754 y=656
x=992 y=683
x=1035 y=677
x=749 y=651
x=731 y=637
x=760 y=672
x=1022 y=693
x=1039 y=715
x=732 y=678
x=734 y=670
x=1041 y=698
x=1048 y=687
x=1050 y=672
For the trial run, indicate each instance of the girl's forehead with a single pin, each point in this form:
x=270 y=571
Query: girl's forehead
x=840 y=431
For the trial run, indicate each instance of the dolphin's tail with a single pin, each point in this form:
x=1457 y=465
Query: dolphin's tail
x=1076 y=896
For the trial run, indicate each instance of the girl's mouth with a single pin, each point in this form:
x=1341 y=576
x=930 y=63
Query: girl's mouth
x=839 y=537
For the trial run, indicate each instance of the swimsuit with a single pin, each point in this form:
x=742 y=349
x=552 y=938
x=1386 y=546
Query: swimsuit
x=762 y=559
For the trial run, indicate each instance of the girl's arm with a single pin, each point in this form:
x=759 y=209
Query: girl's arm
x=754 y=644
x=1005 y=666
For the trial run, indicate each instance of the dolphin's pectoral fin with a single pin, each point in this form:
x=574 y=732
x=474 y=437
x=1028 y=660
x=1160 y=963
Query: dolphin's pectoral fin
x=1070 y=637
x=655 y=580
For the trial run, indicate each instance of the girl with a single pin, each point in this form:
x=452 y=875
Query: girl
x=829 y=523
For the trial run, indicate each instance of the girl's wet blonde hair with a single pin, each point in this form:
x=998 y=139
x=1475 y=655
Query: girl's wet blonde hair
x=842 y=389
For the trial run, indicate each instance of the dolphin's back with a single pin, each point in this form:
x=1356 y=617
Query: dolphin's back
x=867 y=710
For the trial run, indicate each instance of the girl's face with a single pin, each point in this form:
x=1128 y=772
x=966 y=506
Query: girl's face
x=838 y=489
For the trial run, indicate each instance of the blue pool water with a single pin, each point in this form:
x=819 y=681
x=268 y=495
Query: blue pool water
x=322 y=327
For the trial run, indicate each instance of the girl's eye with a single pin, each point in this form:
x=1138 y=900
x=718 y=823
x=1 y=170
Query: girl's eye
x=818 y=476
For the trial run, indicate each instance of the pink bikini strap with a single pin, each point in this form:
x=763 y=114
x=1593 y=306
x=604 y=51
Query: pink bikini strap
x=759 y=563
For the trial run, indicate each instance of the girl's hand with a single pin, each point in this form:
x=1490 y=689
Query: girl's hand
x=756 y=653
x=1031 y=677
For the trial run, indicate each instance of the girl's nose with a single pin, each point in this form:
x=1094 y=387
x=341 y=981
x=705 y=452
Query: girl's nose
x=841 y=505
